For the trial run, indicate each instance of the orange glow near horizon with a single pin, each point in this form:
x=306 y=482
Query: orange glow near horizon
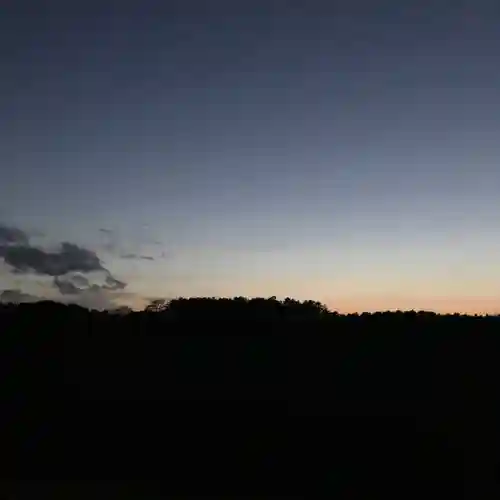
x=440 y=304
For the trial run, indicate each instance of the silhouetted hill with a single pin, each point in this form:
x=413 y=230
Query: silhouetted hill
x=252 y=397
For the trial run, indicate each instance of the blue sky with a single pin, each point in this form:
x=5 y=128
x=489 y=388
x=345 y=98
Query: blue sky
x=340 y=151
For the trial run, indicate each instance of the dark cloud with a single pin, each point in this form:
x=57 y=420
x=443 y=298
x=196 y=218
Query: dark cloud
x=80 y=280
x=78 y=284
x=12 y=236
x=134 y=256
x=65 y=287
x=105 y=230
x=112 y=283
x=70 y=267
x=16 y=296
x=70 y=286
x=94 y=296
x=70 y=258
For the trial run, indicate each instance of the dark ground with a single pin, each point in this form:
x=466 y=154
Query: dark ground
x=260 y=402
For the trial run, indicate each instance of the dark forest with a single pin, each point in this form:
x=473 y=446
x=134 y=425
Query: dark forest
x=248 y=397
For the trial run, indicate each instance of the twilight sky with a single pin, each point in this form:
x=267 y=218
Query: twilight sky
x=343 y=151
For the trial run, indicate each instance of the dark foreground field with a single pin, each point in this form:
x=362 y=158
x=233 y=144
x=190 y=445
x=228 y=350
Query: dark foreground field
x=247 y=399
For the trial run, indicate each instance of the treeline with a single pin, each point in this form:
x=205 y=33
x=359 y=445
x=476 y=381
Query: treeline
x=240 y=309
x=251 y=396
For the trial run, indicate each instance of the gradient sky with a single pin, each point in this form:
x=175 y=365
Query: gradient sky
x=344 y=151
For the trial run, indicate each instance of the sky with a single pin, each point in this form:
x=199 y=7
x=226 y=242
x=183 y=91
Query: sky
x=342 y=151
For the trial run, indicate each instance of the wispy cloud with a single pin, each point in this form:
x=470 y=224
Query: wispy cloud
x=134 y=256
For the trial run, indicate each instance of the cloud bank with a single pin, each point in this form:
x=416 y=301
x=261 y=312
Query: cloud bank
x=77 y=273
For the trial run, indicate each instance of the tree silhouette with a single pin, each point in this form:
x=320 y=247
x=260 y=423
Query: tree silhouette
x=215 y=394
